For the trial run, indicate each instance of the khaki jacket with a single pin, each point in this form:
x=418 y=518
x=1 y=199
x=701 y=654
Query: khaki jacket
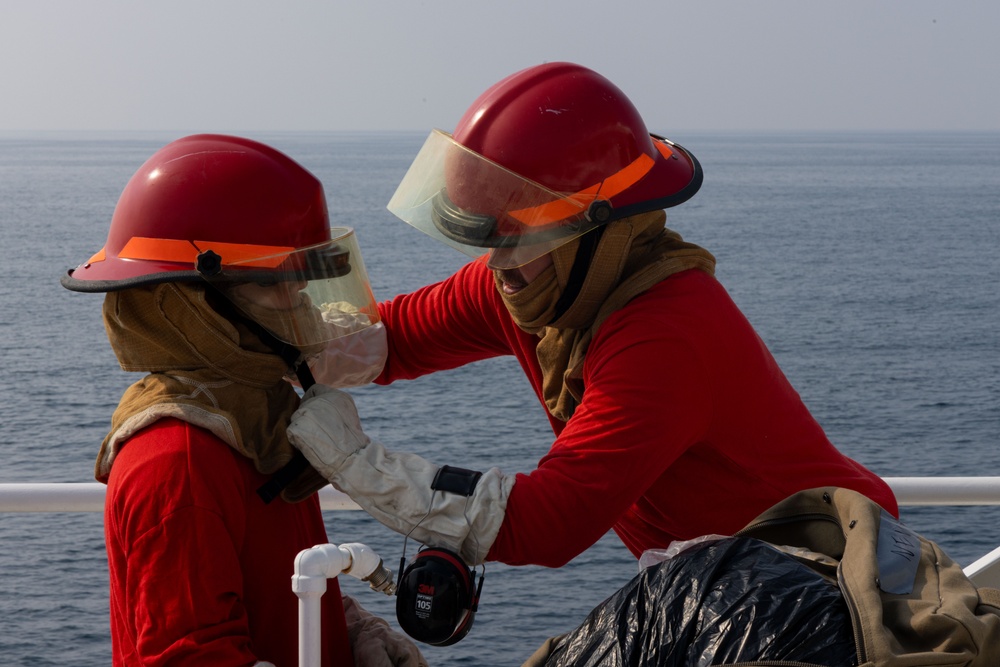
x=910 y=604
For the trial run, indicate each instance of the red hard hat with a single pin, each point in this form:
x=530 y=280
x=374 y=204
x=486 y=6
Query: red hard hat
x=235 y=197
x=541 y=157
x=569 y=129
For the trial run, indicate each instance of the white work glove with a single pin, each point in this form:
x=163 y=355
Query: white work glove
x=374 y=643
x=353 y=360
x=395 y=487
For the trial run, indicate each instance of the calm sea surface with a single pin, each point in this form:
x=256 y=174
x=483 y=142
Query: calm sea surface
x=868 y=263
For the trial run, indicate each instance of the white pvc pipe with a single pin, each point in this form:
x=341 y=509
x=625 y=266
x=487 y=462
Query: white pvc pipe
x=313 y=567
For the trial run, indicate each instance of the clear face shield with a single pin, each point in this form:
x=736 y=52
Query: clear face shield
x=309 y=296
x=476 y=206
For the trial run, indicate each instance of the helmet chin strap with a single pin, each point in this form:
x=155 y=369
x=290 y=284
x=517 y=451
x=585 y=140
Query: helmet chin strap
x=578 y=272
x=292 y=356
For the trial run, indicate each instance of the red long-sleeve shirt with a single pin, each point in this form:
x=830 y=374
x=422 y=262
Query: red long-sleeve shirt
x=200 y=568
x=687 y=426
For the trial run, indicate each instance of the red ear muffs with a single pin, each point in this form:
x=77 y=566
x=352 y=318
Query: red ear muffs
x=436 y=597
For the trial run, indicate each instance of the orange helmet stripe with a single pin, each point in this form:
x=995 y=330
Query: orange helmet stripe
x=186 y=252
x=662 y=146
x=564 y=207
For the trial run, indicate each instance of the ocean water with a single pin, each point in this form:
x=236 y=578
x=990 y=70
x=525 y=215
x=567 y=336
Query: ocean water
x=867 y=262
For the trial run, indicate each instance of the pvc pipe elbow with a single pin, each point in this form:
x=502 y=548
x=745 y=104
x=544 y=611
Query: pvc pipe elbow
x=363 y=560
x=315 y=565
x=367 y=566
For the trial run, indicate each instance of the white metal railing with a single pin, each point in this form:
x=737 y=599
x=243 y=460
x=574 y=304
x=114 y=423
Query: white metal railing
x=89 y=496
x=313 y=566
x=911 y=491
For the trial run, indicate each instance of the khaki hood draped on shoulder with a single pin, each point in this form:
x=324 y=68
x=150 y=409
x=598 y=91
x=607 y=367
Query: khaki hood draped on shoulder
x=632 y=255
x=204 y=370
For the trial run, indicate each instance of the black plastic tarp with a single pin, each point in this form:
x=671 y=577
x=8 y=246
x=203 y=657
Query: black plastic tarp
x=726 y=601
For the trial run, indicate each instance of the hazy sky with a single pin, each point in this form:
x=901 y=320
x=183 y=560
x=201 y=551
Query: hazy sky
x=252 y=65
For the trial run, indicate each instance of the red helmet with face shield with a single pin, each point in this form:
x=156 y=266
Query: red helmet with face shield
x=230 y=211
x=233 y=196
x=541 y=157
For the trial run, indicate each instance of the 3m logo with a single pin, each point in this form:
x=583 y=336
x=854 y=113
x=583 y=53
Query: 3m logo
x=425 y=589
